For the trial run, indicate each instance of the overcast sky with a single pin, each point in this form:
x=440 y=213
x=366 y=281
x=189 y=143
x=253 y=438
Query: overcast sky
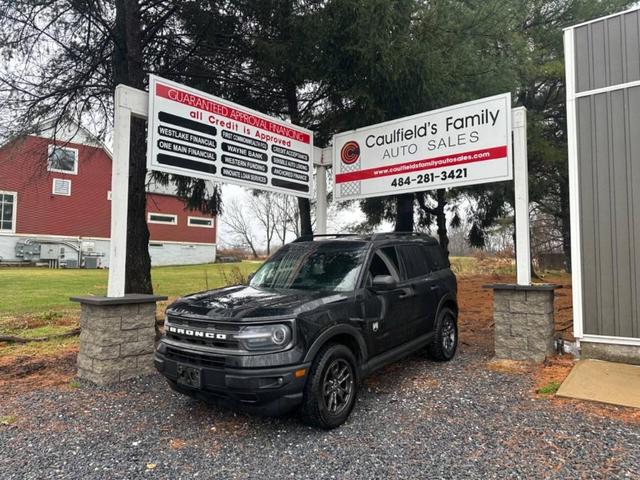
x=336 y=222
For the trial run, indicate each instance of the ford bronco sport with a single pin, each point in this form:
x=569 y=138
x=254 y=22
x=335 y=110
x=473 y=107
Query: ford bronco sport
x=319 y=315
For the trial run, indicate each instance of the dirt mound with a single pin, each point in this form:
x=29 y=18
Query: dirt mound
x=20 y=373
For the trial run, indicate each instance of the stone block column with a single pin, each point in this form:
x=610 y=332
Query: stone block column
x=524 y=326
x=117 y=337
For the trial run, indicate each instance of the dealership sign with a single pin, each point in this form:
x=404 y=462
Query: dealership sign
x=195 y=134
x=464 y=144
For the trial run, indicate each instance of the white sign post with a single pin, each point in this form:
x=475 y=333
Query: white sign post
x=199 y=135
x=128 y=102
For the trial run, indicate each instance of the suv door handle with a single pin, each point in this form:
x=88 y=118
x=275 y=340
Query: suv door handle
x=407 y=293
x=434 y=288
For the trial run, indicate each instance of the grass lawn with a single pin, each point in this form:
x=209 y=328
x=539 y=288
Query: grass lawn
x=34 y=302
x=43 y=291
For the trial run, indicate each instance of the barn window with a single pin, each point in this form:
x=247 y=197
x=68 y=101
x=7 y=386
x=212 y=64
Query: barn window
x=164 y=218
x=200 y=222
x=63 y=160
x=61 y=187
x=8 y=201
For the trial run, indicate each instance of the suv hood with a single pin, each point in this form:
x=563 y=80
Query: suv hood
x=242 y=302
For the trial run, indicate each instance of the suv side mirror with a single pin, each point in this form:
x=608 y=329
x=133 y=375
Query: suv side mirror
x=383 y=282
x=250 y=277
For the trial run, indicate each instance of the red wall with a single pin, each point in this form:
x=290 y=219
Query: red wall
x=168 y=204
x=87 y=212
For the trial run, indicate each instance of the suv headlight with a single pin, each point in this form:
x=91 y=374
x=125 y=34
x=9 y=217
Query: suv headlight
x=264 y=337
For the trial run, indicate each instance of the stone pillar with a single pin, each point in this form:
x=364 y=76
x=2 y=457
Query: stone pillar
x=117 y=337
x=524 y=326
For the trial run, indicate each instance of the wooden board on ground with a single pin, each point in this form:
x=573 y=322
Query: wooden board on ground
x=600 y=381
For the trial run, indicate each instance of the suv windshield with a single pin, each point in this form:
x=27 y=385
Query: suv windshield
x=313 y=266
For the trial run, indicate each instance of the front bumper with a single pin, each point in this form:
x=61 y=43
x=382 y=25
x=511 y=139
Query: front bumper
x=268 y=391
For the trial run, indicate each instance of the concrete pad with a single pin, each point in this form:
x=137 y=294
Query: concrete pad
x=606 y=382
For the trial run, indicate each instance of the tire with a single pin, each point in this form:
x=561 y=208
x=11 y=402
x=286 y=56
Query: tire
x=445 y=341
x=327 y=401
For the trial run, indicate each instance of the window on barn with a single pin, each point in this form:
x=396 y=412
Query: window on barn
x=63 y=160
x=61 y=187
x=8 y=202
x=164 y=218
x=200 y=222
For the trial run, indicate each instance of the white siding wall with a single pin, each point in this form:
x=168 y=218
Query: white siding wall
x=166 y=254
x=7 y=247
x=180 y=254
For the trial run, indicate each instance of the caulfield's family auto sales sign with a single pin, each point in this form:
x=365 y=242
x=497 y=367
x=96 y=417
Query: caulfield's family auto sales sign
x=464 y=144
x=199 y=135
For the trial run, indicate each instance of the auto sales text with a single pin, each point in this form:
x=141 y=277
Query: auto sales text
x=459 y=130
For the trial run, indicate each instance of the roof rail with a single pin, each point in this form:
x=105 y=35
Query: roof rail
x=368 y=236
x=377 y=236
x=310 y=237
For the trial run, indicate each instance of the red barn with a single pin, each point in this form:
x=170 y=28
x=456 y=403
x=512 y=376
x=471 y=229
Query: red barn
x=55 y=206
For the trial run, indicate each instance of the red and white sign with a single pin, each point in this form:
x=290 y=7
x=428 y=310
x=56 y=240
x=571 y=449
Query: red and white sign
x=463 y=144
x=199 y=135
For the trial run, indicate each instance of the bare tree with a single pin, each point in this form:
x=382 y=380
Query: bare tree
x=287 y=216
x=238 y=220
x=263 y=207
x=62 y=60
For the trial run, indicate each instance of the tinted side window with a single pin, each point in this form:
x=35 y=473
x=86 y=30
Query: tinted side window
x=383 y=262
x=435 y=257
x=392 y=256
x=378 y=267
x=415 y=260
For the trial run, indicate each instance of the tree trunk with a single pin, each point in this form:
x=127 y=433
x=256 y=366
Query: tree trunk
x=128 y=70
x=138 y=263
x=304 y=206
x=404 y=212
x=253 y=250
x=565 y=220
x=441 y=220
x=305 y=216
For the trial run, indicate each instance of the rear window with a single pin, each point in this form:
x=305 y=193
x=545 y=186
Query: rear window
x=435 y=257
x=420 y=259
x=415 y=260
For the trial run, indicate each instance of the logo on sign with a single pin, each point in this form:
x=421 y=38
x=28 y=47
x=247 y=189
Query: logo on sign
x=350 y=152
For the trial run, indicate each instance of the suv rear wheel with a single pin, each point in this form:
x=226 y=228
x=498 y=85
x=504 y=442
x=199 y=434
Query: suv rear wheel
x=445 y=341
x=331 y=389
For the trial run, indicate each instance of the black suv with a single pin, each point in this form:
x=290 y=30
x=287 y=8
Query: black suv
x=318 y=316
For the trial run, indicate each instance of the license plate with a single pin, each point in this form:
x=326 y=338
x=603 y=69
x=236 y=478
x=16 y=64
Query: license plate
x=189 y=376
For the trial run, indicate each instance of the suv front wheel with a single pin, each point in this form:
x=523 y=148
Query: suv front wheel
x=445 y=341
x=331 y=389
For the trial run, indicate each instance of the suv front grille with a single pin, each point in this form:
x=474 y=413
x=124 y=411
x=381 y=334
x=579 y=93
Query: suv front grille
x=194 y=358
x=230 y=344
x=197 y=323
x=186 y=323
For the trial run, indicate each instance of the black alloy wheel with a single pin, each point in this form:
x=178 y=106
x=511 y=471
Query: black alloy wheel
x=449 y=334
x=445 y=341
x=337 y=386
x=331 y=388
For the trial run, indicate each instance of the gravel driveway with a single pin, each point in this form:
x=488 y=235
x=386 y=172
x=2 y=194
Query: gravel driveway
x=416 y=419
